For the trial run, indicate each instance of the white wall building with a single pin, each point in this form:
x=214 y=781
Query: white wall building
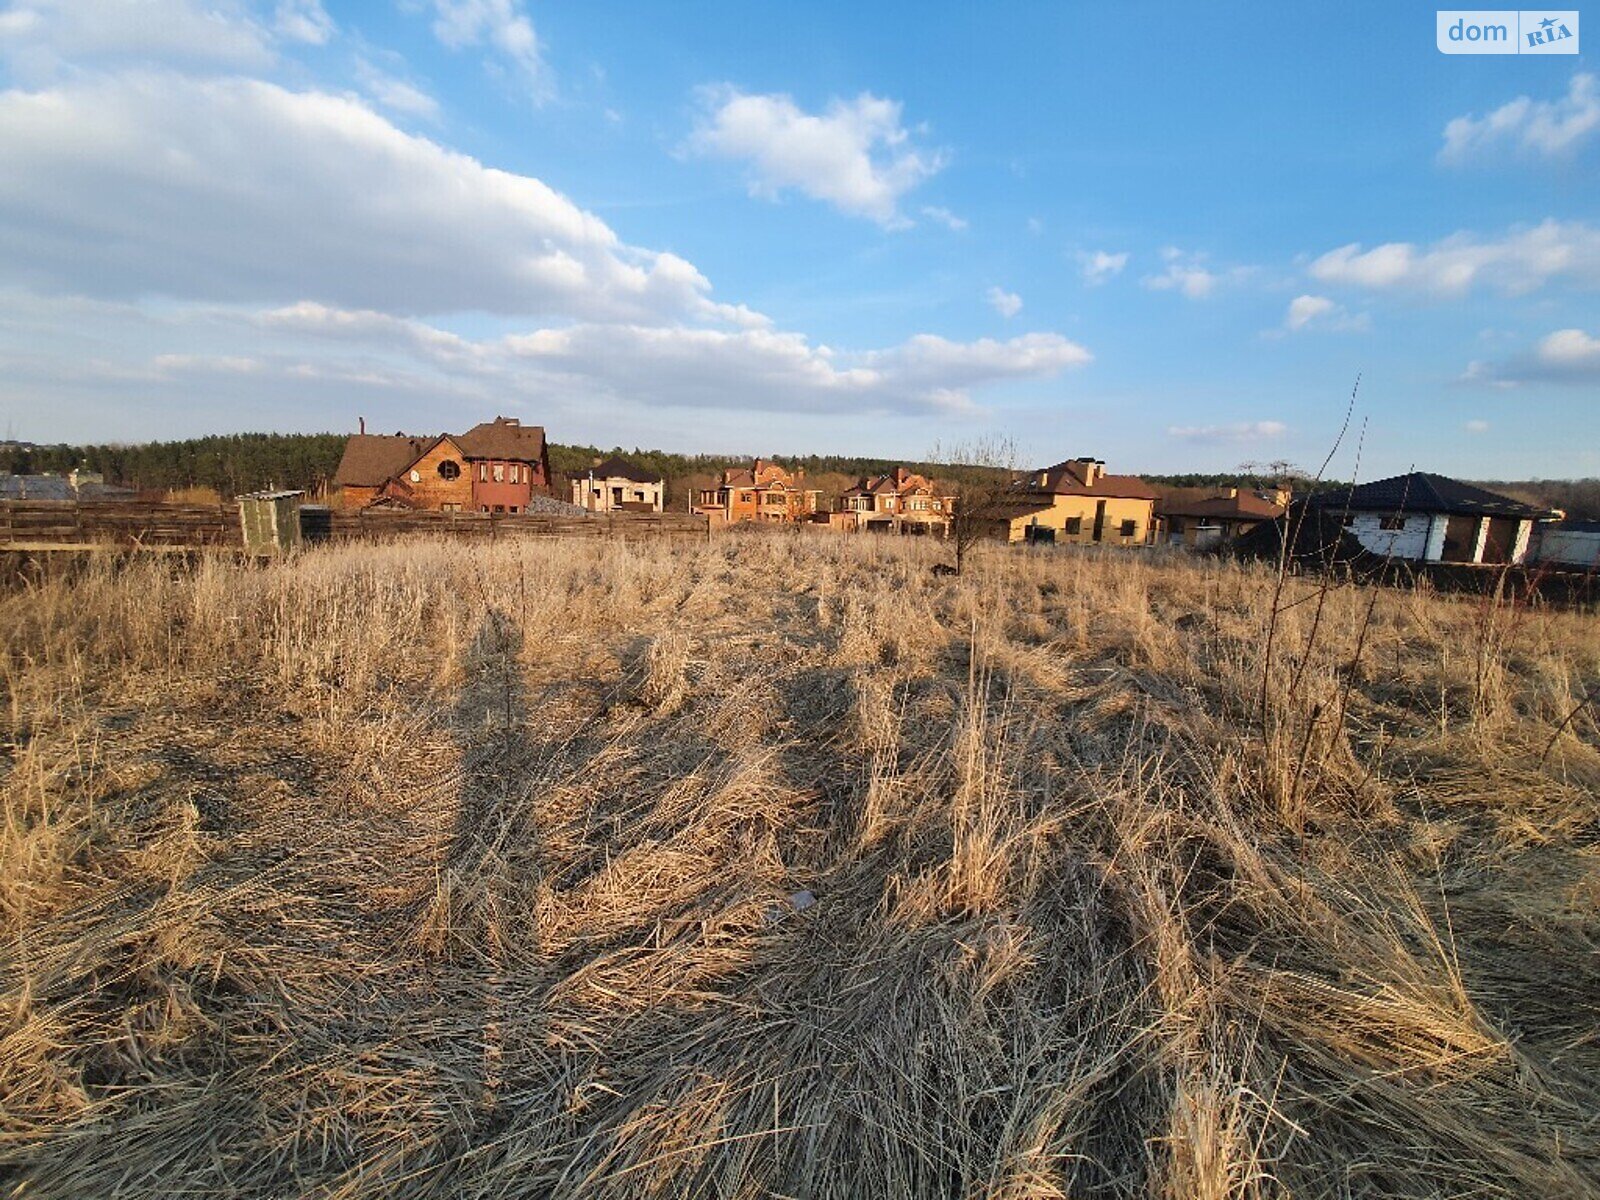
x=616 y=485
x=1569 y=544
x=1432 y=518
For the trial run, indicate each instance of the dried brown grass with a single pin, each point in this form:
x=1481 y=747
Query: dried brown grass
x=437 y=870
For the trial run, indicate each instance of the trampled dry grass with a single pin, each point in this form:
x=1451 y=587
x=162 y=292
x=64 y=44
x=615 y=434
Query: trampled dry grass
x=435 y=871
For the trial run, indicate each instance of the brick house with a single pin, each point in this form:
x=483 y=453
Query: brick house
x=1201 y=517
x=1076 y=501
x=763 y=491
x=899 y=502
x=497 y=466
x=616 y=485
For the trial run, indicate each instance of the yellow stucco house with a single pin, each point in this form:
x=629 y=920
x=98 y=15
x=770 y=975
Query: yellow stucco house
x=1077 y=502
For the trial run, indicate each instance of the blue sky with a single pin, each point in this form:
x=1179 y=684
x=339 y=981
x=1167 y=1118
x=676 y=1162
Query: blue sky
x=1167 y=235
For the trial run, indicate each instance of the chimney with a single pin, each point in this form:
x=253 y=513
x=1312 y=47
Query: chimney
x=363 y=422
x=1093 y=468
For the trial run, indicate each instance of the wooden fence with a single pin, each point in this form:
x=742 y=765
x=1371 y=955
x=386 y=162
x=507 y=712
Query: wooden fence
x=56 y=524
x=380 y=525
x=68 y=525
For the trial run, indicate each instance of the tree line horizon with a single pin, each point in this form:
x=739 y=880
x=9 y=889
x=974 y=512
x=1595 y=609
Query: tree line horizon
x=244 y=462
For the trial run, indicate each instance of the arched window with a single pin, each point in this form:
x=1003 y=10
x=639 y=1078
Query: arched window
x=449 y=469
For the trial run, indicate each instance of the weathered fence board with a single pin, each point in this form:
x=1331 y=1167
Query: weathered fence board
x=34 y=524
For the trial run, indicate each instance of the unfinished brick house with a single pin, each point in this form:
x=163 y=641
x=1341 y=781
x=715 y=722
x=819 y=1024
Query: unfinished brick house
x=762 y=492
x=899 y=502
x=497 y=466
x=1076 y=501
x=1202 y=517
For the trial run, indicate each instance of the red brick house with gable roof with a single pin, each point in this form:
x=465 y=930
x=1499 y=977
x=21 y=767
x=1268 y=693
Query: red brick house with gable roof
x=899 y=502
x=497 y=466
x=762 y=492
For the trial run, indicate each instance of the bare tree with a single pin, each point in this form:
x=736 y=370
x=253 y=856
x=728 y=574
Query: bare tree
x=980 y=474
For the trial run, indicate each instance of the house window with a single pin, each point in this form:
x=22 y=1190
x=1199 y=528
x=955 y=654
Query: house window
x=514 y=508
x=499 y=472
x=483 y=472
x=449 y=508
x=1392 y=523
x=416 y=477
x=1129 y=528
x=449 y=469
x=1074 y=525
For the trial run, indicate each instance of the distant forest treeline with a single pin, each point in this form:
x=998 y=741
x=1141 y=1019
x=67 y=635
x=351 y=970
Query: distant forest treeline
x=234 y=463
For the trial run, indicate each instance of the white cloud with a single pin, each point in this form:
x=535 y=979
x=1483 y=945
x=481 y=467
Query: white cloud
x=1007 y=304
x=264 y=194
x=938 y=363
x=1099 y=266
x=1565 y=356
x=1541 y=128
x=1188 y=274
x=856 y=156
x=395 y=94
x=945 y=217
x=303 y=21
x=1483 y=373
x=1319 y=312
x=1569 y=348
x=271 y=357
x=1520 y=261
x=1242 y=431
x=1305 y=309
x=1035 y=226
x=500 y=25
x=1476 y=426
x=39 y=38
x=195 y=251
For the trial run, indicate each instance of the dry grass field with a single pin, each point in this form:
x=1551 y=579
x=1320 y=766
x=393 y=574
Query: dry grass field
x=439 y=870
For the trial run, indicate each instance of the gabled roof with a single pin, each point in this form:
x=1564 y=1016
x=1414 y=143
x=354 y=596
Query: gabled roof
x=1068 y=479
x=620 y=468
x=899 y=482
x=1424 y=492
x=371 y=458
x=759 y=474
x=503 y=437
x=1242 y=506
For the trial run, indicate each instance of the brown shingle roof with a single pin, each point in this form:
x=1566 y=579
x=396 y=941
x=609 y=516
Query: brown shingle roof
x=371 y=458
x=1067 y=479
x=505 y=438
x=1245 y=506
